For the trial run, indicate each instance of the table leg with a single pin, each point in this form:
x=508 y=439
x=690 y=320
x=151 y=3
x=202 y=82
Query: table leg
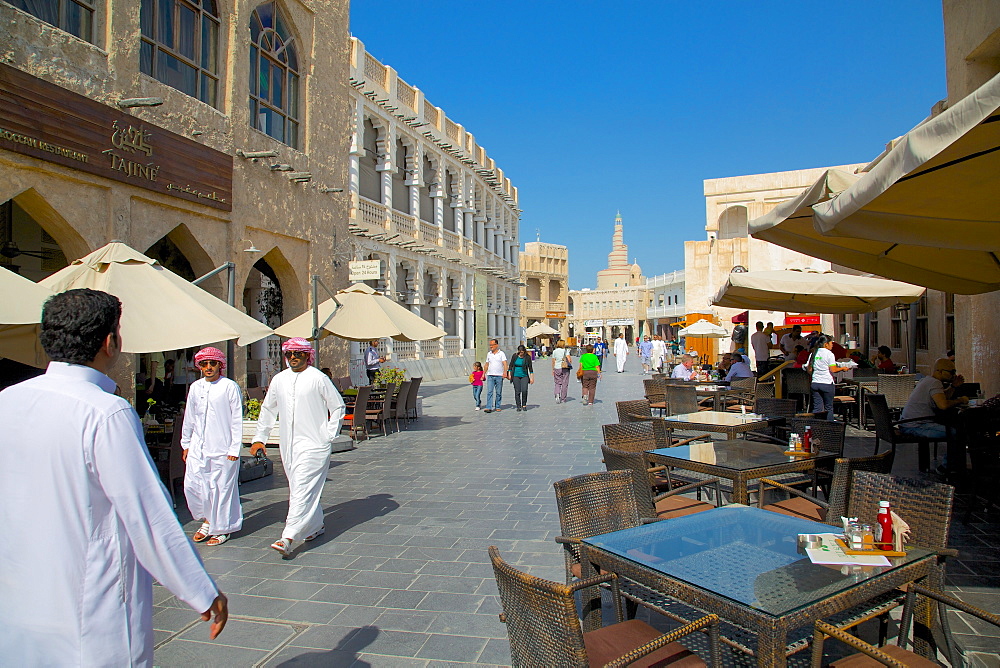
x=771 y=648
x=590 y=597
x=740 y=494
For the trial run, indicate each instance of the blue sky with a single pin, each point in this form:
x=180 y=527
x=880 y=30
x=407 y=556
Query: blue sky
x=590 y=107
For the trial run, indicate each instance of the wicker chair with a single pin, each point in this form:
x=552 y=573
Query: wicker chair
x=544 y=629
x=398 y=406
x=772 y=407
x=887 y=430
x=411 y=398
x=592 y=504
x=641 y=436
x=798 y=382
x=746 y=392
x=829 y=436
x=655 y=393
x=653 y=503
x=896 y=389
x=800 y=504
x=380 y=412
x=357 y=419
x=630 y=411
x=897 y=655
x=681 y=399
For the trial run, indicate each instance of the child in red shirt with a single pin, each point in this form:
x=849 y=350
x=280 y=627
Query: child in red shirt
x=476 y=379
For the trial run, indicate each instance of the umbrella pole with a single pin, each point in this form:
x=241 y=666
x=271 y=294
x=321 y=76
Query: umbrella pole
x=315 y=309
x=230 y=269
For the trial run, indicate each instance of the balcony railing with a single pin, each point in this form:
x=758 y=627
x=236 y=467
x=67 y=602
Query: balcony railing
x=452 y=346
x=404 y=224
x=665 y=311
x=557 y=306
x=452 y=241
x=404 y=350
x=429 y=233
x=372 y=213
x=431 y=349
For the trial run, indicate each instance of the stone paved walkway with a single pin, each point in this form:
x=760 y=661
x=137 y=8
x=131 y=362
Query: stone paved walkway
x=401 y=577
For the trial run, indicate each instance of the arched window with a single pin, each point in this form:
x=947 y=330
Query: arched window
x=180 y=45
x=73 y=16
x=274 y=76
x=733 y=223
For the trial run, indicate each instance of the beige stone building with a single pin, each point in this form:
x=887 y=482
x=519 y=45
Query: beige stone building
x=242 y=160
x=619 y=303
x=729 y=203
x=545 y=293
x=435 y=213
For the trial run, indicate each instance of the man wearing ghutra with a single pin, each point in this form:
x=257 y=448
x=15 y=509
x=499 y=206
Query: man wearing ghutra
x=211 y=439
x=310 y=409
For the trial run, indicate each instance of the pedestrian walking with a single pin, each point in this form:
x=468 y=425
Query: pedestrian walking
x=496 y=371
x=621 y=352
x=601 y=350
x=646 y=354
x=90 y=525
x=373 y=361
x=562 y=366
x=590 y=366
x=310 y=408
x=521 y=375
x=211 y=438
x=476 y=379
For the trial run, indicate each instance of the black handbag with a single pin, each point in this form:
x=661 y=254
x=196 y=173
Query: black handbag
x=256 y=466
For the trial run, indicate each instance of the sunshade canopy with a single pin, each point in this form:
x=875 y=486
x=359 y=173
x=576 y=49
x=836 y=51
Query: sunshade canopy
x=360 y=314
x=925 y=214
x=539 y=329
x=160 y=310
x=813 y=292
x=705 y=329
x=20 y=313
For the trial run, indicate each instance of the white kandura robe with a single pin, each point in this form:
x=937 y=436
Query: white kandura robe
x=621 y=353
x=310 y=409
x=658 y=354
x=212 y=432
x=87 y=525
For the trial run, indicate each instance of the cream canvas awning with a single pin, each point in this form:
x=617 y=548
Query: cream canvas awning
x=20 y=313
x=813 y=292
x=360 y=314
x=539 y=329
x=925 y=214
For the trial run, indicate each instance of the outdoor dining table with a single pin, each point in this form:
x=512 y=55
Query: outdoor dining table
x=743 y=564
x=730 y=424
x=738 y=460
x=718 y=392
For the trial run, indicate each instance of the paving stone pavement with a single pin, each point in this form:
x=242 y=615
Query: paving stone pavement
x=401 y=576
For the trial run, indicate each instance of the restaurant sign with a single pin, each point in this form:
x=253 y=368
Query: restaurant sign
x=365 y=270
x=801 y=319
x=46 y=121
x=555 y=314
x=621 y=321
x=593 y=323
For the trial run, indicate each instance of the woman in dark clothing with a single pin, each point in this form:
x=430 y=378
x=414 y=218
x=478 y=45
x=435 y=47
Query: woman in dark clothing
x=521 y=374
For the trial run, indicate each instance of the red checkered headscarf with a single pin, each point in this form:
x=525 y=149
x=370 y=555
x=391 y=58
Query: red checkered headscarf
x=299 y=344
x=210 y=353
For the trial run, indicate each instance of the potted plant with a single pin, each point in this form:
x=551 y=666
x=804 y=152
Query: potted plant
x=389 y=374
x=251 y=412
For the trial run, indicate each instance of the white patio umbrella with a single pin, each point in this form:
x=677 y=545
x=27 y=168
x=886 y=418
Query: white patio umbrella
x=358 y=313
x=925 y=214
x=160 y=310
x=813 y=292
x=704 y=329
x=539 y=329
x=20 y=313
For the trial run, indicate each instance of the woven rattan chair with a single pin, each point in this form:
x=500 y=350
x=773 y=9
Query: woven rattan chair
x=798 y=382
x=398 y=406
x=357 y=419
x=897 y=655
x=631 y=411
x=772 y=407
x=544 y=629
x=681 y=399
x=829 y=436
x=592 y=504
x=888 y=431
x=655 y=393
x=800 y=504
x=648 y=481
x=380 y=412
x=745 y=395
x=896 y=389
x=411 y=398
x=632 y=436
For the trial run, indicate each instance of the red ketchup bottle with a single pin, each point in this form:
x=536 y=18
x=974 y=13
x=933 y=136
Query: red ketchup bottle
x=807 y=439
x=885 y=521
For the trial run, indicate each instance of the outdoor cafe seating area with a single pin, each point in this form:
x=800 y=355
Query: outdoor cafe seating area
x=701 y=521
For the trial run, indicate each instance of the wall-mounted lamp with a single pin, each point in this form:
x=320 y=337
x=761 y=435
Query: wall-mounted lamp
x=251 y=249
x=129 y=102
x=253 y=155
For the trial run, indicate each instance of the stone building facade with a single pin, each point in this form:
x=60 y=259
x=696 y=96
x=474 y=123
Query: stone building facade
x=619 y=303
x=434 y=209
x=666 y=303
x=545 y=293
x=236 y=80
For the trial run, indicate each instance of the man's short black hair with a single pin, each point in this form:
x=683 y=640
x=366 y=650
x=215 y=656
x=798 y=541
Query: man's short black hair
x=76 y=322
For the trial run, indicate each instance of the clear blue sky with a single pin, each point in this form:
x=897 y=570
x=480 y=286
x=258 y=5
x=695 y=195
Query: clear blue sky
x=590 y=107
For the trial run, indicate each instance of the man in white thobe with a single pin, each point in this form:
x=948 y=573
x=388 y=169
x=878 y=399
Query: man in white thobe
x=89 y=523
x=211 y=440
x=621 y=352
x=310 y=409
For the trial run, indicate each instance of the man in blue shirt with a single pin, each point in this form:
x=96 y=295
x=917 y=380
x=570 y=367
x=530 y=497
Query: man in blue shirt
x=645 y=352
x=601 y=350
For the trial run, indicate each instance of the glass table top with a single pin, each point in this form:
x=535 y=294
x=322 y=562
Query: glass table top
x=739 y=455
x=748 y=555
x=717 y=418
